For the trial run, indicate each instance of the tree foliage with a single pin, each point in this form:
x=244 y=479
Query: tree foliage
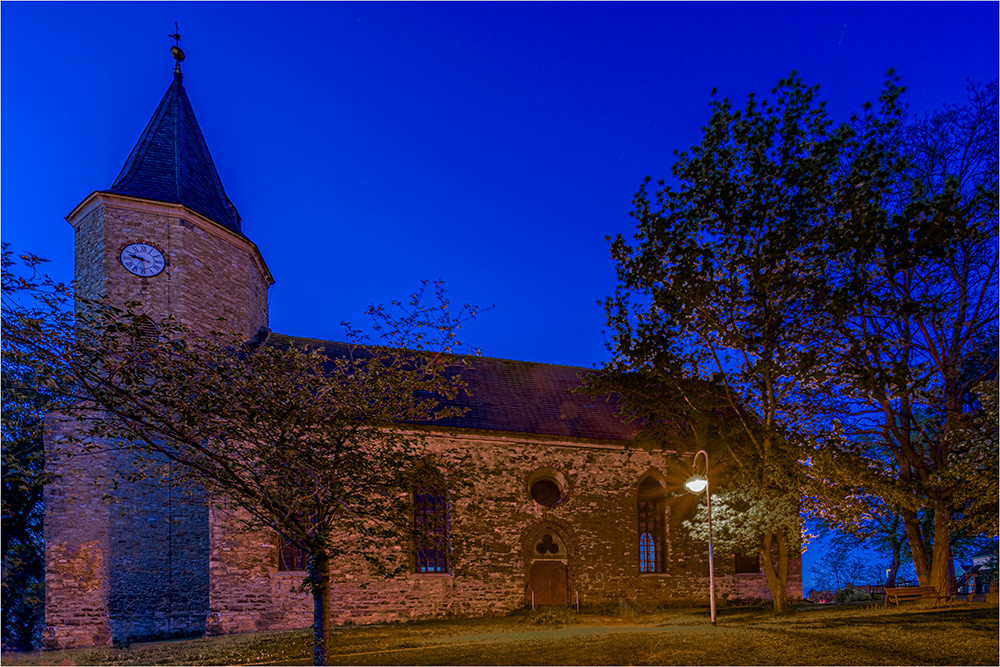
x=313 y=443
x=30 y=389
x=921 y=336
x=727 y=281
x=838 y=282
x=23 y=476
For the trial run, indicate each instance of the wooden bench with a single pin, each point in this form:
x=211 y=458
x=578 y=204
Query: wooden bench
x=914 y=593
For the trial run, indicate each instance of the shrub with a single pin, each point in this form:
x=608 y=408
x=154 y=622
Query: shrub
x=851 y=594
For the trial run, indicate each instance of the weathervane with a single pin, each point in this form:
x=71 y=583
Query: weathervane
x=175 y=50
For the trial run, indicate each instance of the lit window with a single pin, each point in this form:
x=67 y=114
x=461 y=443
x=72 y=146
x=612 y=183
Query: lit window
x=647 y=553
x=651 y=527
x=432 y=528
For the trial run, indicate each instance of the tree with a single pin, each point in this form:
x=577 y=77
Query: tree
x=29 y=390
x=24 y=407
x=977 y=450
x=921 y=336
x=742 y=511
x=840 y=566
x=857 y=516
x=317 y=444
x=727 y=281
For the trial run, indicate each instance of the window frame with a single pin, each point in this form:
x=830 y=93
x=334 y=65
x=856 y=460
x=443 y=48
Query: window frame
x=298 y=555
x=651 y=529
x=434 y=542
x=741 y=568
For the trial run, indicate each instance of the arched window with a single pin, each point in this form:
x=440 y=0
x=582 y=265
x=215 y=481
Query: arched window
x=652 y=533
x=290 y=557
x=431 y=529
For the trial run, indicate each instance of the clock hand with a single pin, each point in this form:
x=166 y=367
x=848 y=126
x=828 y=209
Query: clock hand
x=138 y=258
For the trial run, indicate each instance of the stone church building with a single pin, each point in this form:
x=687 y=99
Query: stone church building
x=563 y=511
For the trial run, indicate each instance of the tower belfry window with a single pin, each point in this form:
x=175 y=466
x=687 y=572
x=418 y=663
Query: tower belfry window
x=145 y=329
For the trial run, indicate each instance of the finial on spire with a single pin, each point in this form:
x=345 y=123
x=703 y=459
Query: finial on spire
x=175 y=50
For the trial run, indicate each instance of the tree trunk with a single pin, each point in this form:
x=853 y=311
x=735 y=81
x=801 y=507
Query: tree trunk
x=915 y=537
x=942 y=567
x=890 y=577
x=319 y=577
x=777 y=577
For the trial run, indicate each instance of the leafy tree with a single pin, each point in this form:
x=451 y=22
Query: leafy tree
x=29 y=390
x=23 y=546
x=847 y=502
x=857 y=517
x=922 y=286
x=308 y=441
x=743 y=511
x=976 y=454
x=838 y=568
x=727 y=280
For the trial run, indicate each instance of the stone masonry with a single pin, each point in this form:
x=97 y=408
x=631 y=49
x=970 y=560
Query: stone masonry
x=130 y=560
x=495 y=524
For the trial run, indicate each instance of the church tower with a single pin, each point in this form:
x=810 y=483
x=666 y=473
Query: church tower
x=165 y=233
x=128 y=561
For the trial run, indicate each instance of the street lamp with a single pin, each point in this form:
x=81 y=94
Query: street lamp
x=696 y=484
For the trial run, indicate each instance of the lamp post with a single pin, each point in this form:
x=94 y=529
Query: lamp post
x=696 y=484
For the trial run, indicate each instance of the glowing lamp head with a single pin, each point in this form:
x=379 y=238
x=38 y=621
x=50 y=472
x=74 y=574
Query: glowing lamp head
x=696 y=484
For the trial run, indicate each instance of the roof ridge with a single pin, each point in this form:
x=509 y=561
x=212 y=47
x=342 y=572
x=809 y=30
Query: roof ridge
x=457 y=354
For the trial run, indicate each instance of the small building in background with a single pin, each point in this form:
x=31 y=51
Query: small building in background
x=980 y=578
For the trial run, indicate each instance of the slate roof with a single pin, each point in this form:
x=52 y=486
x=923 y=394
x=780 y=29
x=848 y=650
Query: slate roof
x=171 y=163
x=986 y=552
x=518 y=397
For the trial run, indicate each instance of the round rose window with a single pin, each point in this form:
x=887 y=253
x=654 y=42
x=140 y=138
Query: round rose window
x=546 y=492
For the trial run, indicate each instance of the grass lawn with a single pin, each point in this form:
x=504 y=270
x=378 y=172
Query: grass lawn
x=959 y=634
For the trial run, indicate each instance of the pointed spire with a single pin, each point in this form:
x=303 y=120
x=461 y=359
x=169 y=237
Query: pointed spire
x=171 y=162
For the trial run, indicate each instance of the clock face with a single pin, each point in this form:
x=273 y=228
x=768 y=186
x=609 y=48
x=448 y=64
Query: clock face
x=142 y=259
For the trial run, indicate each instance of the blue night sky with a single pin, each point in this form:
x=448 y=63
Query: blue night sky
x=494 y=146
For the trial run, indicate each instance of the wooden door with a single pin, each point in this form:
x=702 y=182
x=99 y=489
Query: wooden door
x=548 y=581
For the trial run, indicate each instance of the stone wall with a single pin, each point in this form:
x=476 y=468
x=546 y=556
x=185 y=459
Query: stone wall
x=124 y=560
x=495 y=525
x=213 y=280
x=158 y=546
x=247 y=592
x=76 y=541
x=128 y=561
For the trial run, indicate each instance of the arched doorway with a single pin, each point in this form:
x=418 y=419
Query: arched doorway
x=548 y=576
